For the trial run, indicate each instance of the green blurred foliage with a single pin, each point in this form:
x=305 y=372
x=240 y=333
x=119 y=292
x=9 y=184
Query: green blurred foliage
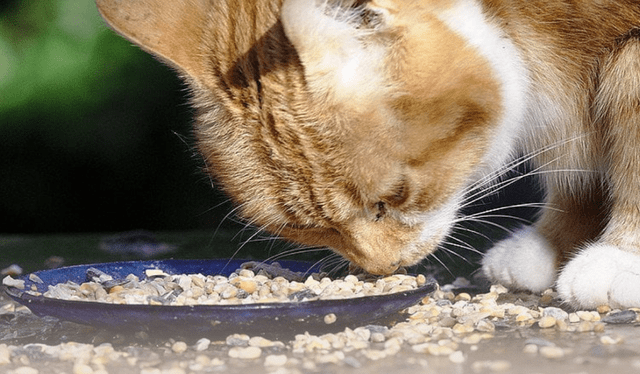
x=94 y=133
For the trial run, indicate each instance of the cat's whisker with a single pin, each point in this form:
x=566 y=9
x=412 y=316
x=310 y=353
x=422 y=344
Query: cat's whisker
x=461 y=230
x=490 y=180
x=540 y=205
x=486 y=213
x=493 y=224
x=265 y=220
x=258 y=230
x=339 y=263
x=493 y=187
x=494 y=176
x=486 y=220
x=461 y=244
x=296 y=251
x=433 y=255
x=332 y=263
x=236 y=219
x=225 y=201
x=277 y=232
x=479 y=192
x=184 y=140
x=450 y=252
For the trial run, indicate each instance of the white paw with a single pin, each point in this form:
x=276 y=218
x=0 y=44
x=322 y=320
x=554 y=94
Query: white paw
x=601 y=274
x=524 y=261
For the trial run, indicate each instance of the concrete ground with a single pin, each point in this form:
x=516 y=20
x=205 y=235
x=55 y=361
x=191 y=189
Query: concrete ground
x=512 y=349
x=31 y=344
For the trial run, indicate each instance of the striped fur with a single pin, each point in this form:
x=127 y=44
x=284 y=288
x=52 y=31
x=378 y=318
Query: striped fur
x=360 y=125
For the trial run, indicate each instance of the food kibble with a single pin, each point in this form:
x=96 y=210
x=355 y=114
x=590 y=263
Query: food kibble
x=245 y=352
x=275 y=360
x=10 y=282
x=444 y=324
x=330 y=318
x=244 y=286
x=179 y=347
x=202 y=344
x=552 y=352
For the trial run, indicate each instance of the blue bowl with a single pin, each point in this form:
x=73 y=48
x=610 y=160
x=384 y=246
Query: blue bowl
x=273 y=320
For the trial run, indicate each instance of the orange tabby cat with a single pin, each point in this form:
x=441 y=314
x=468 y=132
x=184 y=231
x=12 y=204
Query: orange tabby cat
x=361 y=125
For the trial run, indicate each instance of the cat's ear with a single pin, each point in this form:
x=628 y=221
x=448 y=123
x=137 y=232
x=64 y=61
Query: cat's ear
x=170 y=29
x=339 y=45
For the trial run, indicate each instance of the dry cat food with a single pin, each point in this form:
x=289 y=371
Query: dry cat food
x=263 y=284
x=448 y=325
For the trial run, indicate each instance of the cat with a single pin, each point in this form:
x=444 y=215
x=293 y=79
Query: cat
x=363 y=126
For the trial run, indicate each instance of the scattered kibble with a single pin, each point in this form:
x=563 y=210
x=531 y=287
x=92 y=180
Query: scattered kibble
x=546 y=322
x=80 y=368
x=330 y=318
x=240 y=340
x=610 y=340
x=530 y=349
x=457 y=357
x=202 y=344
x=10 y=282
x=179 y=347
x=25 y=370
x=551 y=351
x=491 y=365
x=245 y=352
x=444 y=324
x=275 y=360
x=258 y=341
x=5 y=354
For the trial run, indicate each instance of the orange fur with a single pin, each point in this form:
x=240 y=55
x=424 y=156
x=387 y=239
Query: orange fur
x=364 y=159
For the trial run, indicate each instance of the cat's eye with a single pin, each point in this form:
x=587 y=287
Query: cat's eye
x=398 y=196
x=382 y=210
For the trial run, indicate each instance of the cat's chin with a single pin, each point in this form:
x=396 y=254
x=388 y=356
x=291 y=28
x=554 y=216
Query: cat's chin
x=419 y=251
x=376 y=268
x=389 y=263
x=384 y=265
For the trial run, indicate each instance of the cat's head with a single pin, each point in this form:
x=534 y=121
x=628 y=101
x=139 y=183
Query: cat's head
x=356 y=125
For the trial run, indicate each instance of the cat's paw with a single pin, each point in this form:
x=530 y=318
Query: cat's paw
x=525 y=261
x=601 y=274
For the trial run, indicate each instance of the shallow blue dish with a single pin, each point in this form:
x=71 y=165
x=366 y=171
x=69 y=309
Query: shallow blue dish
x=275 y=320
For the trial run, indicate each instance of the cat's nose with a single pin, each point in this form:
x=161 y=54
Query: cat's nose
x=380 y=268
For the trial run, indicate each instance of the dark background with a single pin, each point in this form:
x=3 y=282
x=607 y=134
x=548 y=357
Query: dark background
x=94 y=133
